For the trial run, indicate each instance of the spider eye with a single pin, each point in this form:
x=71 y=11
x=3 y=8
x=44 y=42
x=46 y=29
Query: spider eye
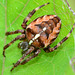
x=24 y=46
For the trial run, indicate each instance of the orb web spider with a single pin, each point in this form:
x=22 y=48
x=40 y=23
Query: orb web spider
x=40 y=33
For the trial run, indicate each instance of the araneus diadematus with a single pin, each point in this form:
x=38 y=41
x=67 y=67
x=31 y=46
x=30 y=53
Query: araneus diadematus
x=40 y=33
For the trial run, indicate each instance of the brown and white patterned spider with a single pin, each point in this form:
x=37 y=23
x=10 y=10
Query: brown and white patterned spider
x=40 y=33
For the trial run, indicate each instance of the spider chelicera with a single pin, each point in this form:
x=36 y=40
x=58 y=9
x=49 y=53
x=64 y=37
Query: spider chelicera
x=40 y=33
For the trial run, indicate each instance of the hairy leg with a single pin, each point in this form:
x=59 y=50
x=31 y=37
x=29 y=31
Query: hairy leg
x=70 y=7
x=31 y=57
x=30 y=15
x=63 y=40
x=48 y=49
x=17 y=38
x=14 y=32
x=24 y=55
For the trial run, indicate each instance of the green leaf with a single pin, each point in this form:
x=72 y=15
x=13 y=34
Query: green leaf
x=12 y=14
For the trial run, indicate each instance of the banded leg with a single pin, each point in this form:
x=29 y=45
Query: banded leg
x=24 y=55
x=30 y=15
x=14 y=32
x=17 y=38
x=31 y=57
x=70 y=7
x=63 y=40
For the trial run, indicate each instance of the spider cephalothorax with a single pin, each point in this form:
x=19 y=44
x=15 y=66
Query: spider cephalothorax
x=40 y=33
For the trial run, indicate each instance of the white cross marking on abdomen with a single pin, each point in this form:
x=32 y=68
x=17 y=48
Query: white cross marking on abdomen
x=37 y=36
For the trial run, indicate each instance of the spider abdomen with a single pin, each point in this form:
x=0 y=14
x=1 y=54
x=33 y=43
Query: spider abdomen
x=39 y=37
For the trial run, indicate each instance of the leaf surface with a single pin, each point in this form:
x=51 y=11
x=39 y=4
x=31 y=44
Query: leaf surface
x=54 y=63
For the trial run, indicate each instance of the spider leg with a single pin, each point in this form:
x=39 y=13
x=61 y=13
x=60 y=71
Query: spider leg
x=24 y=55
x=6 y=46
x=30 y=15
x=14 y=32
x=70 y=7
x=63 y=40
x=31 y=57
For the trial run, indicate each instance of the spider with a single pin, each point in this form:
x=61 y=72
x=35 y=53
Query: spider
x=40 y=33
